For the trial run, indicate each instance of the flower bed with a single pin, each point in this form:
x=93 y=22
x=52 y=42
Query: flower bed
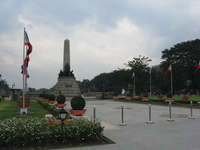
x=34 y=132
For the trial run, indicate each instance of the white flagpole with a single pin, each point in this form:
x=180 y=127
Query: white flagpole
x=171 y=81
x=134 y=85
x=23 y=73
x=150 y=79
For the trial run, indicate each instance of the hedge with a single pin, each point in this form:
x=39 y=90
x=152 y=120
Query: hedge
x=33 y=132
x=51 y=108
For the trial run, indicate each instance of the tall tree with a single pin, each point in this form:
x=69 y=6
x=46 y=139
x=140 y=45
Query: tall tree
x=184 y=58
x=120 y=79
x=141 y=69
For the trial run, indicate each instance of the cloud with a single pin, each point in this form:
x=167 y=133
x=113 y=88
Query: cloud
x=106 y=51
x=103 y=35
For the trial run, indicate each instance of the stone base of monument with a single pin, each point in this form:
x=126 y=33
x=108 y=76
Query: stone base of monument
x=67 y=86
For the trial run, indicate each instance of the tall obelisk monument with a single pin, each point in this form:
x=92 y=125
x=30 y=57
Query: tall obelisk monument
x=66 y=55
x=66 y=84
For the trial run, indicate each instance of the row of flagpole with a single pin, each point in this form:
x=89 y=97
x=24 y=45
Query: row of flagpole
x=168 y=70
x=27 y=49
x=26 y=59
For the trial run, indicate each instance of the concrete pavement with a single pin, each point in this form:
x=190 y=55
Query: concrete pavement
x=180 y=134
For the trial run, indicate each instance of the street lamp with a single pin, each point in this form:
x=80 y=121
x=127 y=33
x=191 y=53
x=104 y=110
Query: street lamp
x=62 y=115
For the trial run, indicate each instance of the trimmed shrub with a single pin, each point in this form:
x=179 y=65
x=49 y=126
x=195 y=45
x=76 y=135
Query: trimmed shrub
x=146 y=95
x=46 y=96
x=61 y=99
x=169 y=95
x=77 y=103
x=52 y=97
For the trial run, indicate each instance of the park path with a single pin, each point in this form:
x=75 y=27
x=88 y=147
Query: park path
x=180 y=134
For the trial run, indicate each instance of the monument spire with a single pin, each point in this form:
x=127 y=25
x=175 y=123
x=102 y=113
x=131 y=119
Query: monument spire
x=66 y=55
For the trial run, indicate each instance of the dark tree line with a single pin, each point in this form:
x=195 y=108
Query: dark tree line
x=4 y=87
x=184 y=58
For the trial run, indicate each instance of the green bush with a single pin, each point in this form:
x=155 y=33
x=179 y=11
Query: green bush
x=146 y=95
x=169 y=95
x=137 y=98
x=52 y=97
x=157 y=100
x=61 y=99
x=77 y=103
x=121 y=98
x=46 y=96
x=33 y=132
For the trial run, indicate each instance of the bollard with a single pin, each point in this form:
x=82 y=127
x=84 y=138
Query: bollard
x=150 y=121
x=191 y=114
x=94 y=113
x=122 y=115
x=170 y=114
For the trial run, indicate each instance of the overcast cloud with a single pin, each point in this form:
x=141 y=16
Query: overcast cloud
x=103 y=34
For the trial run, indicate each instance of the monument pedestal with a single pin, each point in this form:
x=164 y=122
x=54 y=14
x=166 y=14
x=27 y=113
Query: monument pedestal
x=67 y=86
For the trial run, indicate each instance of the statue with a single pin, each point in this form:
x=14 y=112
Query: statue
x=60 y=74
x=66 y=72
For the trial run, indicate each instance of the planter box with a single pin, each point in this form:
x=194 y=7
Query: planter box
x=25 y=105
x=115 y=97
x=78 y=112
x=128 y=98
x=46 y=100
x=160 y=97
x=169 y=100
x=185 y=98
x=52 y=102
x=145 y=99
x=60 y=105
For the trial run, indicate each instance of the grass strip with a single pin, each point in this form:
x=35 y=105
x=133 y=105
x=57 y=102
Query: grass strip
x=9 y=109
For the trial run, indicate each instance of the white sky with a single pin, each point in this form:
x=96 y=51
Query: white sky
x=103 y=34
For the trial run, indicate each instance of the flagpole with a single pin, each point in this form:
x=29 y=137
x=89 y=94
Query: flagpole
x=134 y=85
x=150 y=79
x=23 y=73
x=171 y=81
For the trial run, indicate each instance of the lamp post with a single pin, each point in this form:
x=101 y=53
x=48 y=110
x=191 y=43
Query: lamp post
x=62 y=115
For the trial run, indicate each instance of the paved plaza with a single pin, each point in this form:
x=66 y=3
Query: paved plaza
x=180 y=134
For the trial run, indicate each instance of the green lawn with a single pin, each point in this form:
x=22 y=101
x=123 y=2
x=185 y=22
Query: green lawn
x=178 y=101
x=191 y=98
x=9 y=109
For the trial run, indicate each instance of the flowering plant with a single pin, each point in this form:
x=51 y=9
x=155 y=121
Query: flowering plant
x=185 y=97
x=34 y=132
x=160 y=96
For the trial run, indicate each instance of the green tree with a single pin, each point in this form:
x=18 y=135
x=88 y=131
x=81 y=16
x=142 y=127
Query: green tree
x=101 y=83
x=159 y=81
x=141 y=69
x=184 y=58
x=120 y=79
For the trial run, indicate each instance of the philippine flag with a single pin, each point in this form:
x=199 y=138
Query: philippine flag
x=133 y=75
x=168 y=70
x=197 y=67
